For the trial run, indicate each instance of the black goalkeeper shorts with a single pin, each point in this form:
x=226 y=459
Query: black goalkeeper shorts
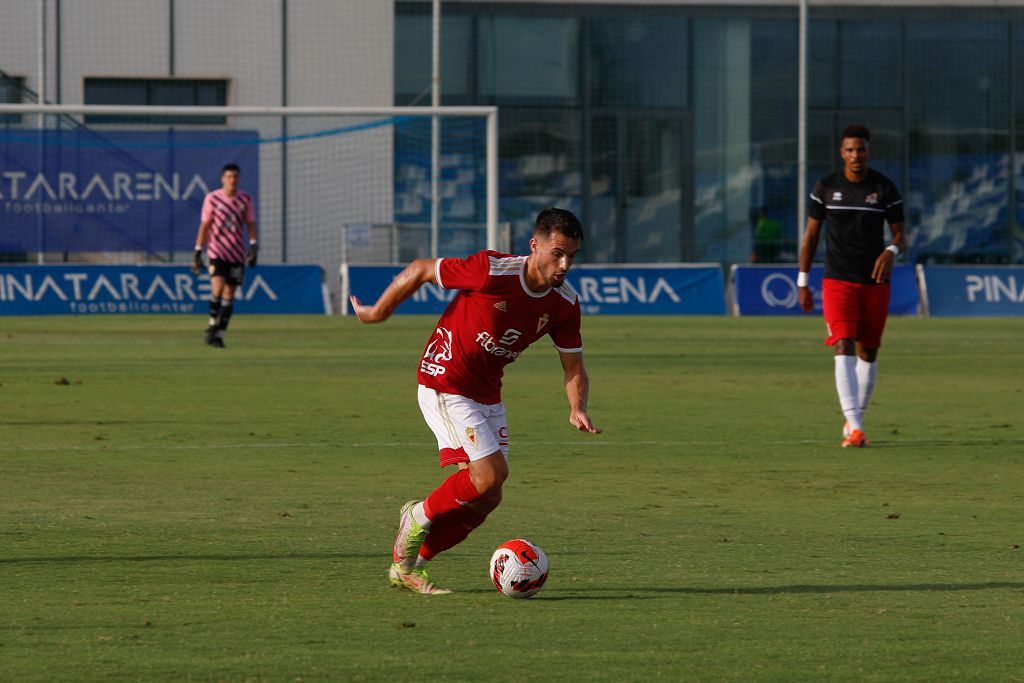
x=233 y=273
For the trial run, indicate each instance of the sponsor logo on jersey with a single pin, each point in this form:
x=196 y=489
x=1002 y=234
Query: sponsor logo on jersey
x=511 y=336
x=471 y=435
x=439 y=351
x=871 y=199
x=837 y=196
x=542 y=321
x=487 y=342
x=502 y=306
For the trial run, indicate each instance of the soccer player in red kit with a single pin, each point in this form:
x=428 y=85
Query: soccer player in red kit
x=504 y=304
x=854 y=205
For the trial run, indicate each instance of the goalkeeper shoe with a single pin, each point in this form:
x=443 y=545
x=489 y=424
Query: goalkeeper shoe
x=417 y=580
x=410 y=537
x=856 y=439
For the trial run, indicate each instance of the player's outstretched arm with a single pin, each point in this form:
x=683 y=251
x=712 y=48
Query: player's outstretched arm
x=415 y=275
x=577 y=388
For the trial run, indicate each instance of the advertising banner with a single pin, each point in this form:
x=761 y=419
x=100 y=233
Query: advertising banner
x=771 y=290
x=658 y=289
x=84 y=190
x=91 y=290
x=974 y=290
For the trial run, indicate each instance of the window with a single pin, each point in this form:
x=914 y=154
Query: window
x=528 y=60
x=157 y=92
x=11 y=88
x=413 y=64
x=639 y=62
x=855 y=64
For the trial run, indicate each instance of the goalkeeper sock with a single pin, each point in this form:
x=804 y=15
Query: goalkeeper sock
x=214 y=311
x=448 y=530
x=224 y=317
x=846 y=387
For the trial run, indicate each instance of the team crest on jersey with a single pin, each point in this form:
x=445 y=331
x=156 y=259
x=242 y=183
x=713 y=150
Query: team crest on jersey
x=837 y=196
x=871 y=198
x=471 y=435
x=502 y=306
x=542 y=321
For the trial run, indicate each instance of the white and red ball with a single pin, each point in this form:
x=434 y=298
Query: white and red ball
x=519 y=568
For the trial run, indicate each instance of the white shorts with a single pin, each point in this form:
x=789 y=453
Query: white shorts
x=465 y=430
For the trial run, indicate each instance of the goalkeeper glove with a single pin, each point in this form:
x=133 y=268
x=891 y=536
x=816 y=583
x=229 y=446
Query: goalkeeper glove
x=197 y=261
x=250 y=256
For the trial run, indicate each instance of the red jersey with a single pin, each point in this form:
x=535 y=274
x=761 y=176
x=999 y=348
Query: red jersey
x=490 y=322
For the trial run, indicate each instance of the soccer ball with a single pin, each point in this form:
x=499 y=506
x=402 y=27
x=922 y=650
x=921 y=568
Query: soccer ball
x=519 y=568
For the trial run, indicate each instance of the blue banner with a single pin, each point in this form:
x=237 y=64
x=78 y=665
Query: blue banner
x=85 y=190
x=974 y=290
x=771 y=290
x=607 y=290
x=89 y=290
x=658 y=289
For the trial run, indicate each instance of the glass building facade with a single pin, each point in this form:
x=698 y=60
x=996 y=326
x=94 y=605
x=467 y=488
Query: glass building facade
x=672 y=131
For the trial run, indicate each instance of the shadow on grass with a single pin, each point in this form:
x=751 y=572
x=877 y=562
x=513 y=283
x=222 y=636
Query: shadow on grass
x=90 y=423
x=653 y=593
x=74 y=559
x=949 y=443
x=646 y=593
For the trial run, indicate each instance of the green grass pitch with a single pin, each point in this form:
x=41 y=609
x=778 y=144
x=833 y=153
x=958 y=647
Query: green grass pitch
x=175 y=512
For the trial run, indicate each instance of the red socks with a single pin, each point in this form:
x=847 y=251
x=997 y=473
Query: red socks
x=450 y=529
x=455 y=492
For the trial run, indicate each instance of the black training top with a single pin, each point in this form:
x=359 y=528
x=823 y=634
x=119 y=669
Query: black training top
x=854 y=216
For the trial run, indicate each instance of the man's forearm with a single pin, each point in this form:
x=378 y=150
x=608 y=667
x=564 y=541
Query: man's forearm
x=577 y=388
x=415 y=275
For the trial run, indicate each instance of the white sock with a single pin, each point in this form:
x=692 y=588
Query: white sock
x=846 y=387
x=421 y=561
x=866 y=373
x=420 y=516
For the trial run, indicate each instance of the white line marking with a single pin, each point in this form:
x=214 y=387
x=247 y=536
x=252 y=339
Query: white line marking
x=577 y=443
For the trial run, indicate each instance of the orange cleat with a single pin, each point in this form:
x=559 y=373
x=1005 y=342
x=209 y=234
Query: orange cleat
x=856 y=439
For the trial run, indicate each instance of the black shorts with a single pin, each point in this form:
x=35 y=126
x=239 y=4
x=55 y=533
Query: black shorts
x=233 y=273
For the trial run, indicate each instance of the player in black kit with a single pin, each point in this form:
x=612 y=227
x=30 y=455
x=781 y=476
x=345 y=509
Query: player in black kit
x=854 y=204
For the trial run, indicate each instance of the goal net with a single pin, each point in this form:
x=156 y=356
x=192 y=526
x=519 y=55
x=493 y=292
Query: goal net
x=126 y=184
